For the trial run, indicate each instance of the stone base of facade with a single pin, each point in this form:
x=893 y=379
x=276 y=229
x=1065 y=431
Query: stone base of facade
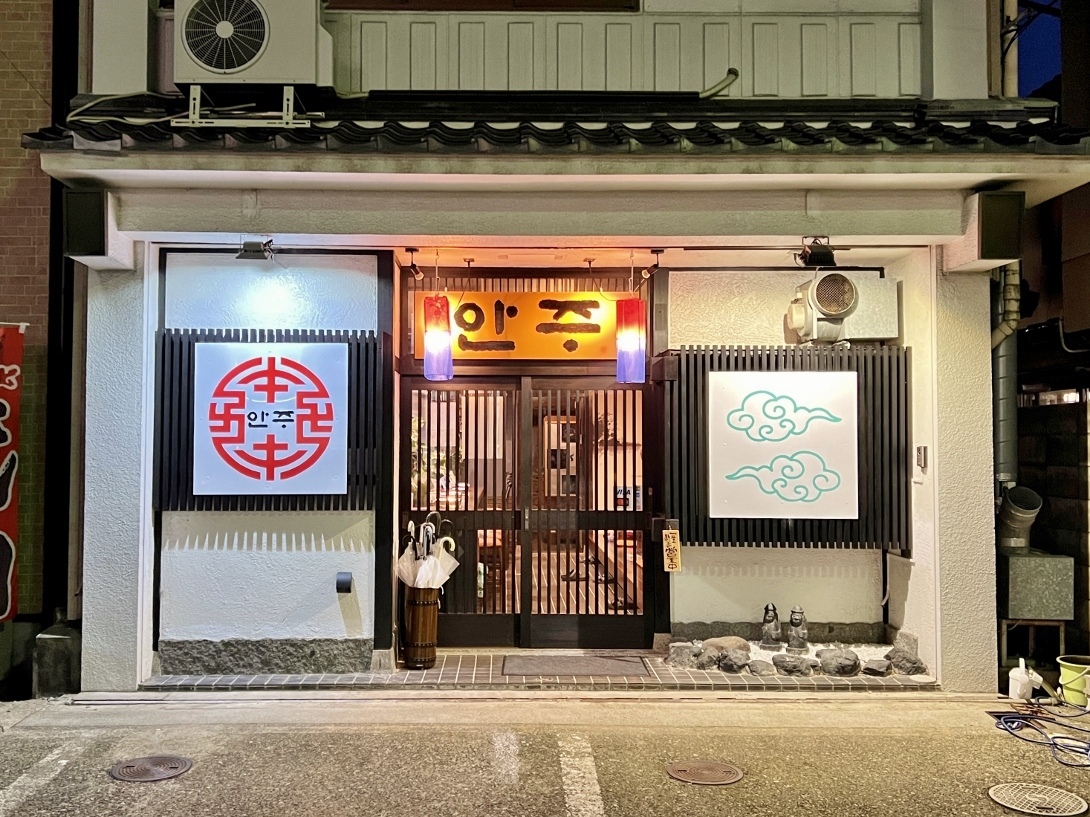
x=283 y=656
x=819 y=632
x=383 y=661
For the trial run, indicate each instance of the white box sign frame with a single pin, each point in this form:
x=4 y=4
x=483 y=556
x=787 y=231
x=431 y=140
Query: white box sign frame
x=270 y=418
x=783 y=445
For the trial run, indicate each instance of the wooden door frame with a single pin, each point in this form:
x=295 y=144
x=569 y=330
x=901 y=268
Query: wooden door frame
x=526 y=628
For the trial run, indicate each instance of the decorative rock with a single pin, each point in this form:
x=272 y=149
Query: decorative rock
x=758 y=667
x=905 y=663
x=727 y=642
x=907 y=642
x=682 y=654
x=707 y=660
x=792 y=665
x=733 y=660
x=878 y=666
x=842 y=663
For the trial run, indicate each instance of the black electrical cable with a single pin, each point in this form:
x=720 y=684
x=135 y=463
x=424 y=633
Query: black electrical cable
x=1017 y=28
x=1032 y=715
x=1058 y=745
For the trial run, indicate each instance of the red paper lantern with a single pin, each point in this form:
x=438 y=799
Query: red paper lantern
x=631 y=341
x=438 y=357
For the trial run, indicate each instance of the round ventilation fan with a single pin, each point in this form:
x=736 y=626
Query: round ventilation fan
x=834 y=294
x=226 y=35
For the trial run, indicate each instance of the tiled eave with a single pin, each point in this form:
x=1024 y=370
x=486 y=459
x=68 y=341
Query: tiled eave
x=580 y=122
x=628 y=138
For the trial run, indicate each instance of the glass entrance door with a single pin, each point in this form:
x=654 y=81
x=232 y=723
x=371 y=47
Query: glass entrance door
x=541 y=482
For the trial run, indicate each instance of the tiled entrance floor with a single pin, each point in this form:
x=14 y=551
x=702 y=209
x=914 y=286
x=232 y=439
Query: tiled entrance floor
x=484 y=672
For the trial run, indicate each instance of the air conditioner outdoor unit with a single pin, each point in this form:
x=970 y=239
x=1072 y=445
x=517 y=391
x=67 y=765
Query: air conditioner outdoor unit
x=837 y=306
x=269 y=42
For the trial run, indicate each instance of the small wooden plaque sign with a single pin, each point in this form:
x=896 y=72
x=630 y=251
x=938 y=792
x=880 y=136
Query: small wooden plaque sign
x=671 y=550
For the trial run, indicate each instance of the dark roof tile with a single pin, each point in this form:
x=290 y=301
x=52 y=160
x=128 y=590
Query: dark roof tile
x=612 y=123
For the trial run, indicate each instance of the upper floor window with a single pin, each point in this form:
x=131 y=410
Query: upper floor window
x=485 y=5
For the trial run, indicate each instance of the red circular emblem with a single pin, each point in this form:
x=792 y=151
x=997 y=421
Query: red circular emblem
x=270 y=418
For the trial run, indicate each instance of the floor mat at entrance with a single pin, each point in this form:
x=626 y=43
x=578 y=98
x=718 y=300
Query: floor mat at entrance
x=549 y=665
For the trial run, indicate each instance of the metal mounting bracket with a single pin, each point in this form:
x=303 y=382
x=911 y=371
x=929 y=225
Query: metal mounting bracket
x=288 y=118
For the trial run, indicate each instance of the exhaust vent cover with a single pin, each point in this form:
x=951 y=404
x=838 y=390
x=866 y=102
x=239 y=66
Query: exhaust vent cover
x=226 y=35
x=834 y=294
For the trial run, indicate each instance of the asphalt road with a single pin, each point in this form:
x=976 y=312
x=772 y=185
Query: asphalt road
x=549 y=756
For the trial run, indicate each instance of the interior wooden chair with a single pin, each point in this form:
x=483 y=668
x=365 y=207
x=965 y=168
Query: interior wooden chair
x=493 y=546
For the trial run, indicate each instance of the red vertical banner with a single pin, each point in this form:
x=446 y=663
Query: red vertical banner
x=11 y=392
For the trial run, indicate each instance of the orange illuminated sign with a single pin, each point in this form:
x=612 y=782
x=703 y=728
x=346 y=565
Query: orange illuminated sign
x=528 y=325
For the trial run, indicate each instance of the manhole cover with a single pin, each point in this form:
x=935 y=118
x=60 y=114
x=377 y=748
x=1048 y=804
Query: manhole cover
x=1033 y=798
x=150 y=769
x=704 y=772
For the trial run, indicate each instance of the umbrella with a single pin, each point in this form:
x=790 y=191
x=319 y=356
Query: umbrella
x=426 y=562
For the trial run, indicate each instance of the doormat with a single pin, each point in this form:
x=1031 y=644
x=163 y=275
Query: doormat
x=550 y=665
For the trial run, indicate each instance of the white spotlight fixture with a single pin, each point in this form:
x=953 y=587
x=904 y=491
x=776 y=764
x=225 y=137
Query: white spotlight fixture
x=651 y=270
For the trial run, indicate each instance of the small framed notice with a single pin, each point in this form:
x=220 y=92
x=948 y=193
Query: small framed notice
x=671 y=551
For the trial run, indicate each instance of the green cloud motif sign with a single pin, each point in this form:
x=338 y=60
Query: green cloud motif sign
x=801 y=477
x=766 y=417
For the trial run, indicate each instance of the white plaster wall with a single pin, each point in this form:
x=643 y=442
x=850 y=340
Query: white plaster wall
x=288 y=291
x=259 y=575
x=113 y=486
x=598 y=201
x=912 y=600
x=734 y=584
x=268 y=574
x=731 y=308
x=966 y=552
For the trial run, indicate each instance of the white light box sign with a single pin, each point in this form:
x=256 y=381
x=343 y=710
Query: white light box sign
x=270 y=418
x=783 y=445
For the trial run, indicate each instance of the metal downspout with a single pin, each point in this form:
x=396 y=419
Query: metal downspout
x=1006 y=303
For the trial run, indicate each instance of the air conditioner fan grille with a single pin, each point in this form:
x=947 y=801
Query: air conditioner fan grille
x=226 y=35
x=835 y=294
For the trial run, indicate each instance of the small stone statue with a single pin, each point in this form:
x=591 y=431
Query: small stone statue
x=797 y=637
x=770 y=628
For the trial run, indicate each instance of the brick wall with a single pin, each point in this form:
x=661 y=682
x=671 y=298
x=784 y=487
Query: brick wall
x=25 y=47
x=1054 y=452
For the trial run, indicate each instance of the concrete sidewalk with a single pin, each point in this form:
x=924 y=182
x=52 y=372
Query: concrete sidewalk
x=537 y=755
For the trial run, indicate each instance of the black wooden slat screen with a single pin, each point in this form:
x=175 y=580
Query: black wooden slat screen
x=885 y=468
x=174 y=430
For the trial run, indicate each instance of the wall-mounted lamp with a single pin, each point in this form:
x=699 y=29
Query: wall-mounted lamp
x=418 y=274
x=651 y=270
x=818 y=253
x=631 y=341
x=438 y=356
x=256 y=251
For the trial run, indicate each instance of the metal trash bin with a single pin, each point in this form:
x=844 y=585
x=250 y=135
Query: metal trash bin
x=421 y=620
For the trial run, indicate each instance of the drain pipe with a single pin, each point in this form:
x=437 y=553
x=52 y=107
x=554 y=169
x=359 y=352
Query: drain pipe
x=1006 y=305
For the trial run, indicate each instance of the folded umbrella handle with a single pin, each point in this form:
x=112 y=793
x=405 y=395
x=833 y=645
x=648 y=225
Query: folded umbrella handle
x=451 y=547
